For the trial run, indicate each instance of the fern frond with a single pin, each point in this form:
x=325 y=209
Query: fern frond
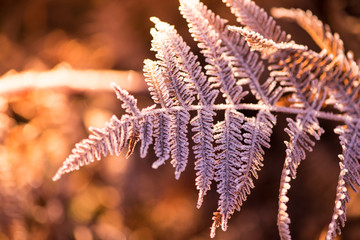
x=345 y=93
x=203 y=122
x=293 y=75
x=129 y=102
x=110 y=139
x=162 y=122
x=272 y=91
x=306 y=124
x=344 y=88
x=146 y=132
x=300 y=78
x=204 y=151
x=346 y=70
x=301 y=72
x=228 y=137
x=245 y=63
x=167 y=40
x=161 y=125
x=219 y=67
x=266 y=46
x=283 y=218
x=342 y=197
x=186 y=61
x=257 y=20
x=181 y=91
x=156 y=82
x=231 y=152
x=301 y=68
x=214 y=21
x=248 y=67
x=300 y=140
x=178 y=141
x=257 y=135
x=319 y=32
x=258 y=132
x=349 y=136
x=300 y=132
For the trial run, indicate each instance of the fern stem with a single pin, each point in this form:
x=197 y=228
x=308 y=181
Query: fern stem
x=318 y=114
x=256 y=107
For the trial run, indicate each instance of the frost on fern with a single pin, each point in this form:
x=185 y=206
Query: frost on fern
x=230 y=152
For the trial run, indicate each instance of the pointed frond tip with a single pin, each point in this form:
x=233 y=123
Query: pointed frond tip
x=319 y=32
x=258 y=42
x=129 y=102
x=256 y=19
x=109 y=140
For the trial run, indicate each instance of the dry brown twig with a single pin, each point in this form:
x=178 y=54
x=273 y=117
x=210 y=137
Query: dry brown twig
x=63 y=76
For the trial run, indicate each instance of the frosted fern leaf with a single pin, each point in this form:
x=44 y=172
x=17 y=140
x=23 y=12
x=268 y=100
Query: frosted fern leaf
x=230 y=152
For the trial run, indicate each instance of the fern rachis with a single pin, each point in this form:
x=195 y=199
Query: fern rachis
x=231 y=151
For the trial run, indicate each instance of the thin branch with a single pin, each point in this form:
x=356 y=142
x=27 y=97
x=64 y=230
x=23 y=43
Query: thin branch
x=63 y=76
x=252 y=107
x=288 y=110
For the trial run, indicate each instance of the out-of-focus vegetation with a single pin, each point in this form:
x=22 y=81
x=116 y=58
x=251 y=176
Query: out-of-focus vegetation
x=120 y=198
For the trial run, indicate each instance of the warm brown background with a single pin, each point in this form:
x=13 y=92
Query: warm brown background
x=125 y=199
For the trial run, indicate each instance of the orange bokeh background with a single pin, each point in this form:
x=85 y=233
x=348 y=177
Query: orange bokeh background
x=119 y=198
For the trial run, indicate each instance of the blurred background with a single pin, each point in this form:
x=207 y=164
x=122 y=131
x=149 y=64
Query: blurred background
x=120 y=198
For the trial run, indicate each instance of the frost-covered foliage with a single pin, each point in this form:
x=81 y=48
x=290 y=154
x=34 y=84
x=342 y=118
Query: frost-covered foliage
x=230 y=152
